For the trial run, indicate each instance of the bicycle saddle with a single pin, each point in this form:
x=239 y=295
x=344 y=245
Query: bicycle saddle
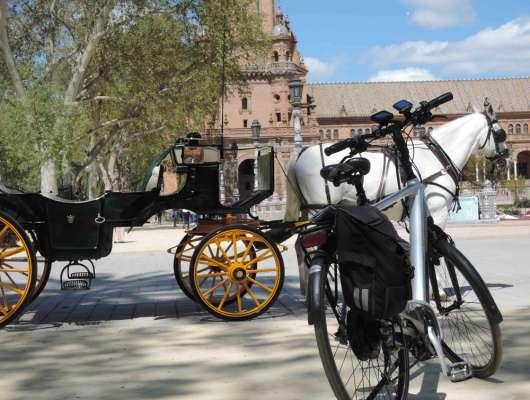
x=342 y=172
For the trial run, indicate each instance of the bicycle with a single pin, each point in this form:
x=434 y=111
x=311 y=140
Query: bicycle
x=451 y=314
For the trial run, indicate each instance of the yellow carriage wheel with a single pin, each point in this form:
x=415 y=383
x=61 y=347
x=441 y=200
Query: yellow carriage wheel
x=236 y=272
x=181 y=263
x=17 y=269
x=44 y=267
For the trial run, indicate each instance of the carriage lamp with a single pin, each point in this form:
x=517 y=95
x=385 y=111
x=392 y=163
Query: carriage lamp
x=295 y=92
x=256 y=130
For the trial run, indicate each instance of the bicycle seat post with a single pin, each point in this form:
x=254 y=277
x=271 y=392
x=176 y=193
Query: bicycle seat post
x=357 y=181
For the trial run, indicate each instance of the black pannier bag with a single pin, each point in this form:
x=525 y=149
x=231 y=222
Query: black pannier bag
x=373 y=262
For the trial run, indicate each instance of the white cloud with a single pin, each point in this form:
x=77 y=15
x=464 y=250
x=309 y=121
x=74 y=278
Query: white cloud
x=321 y=69
x=436 y=14
x=402 y=75
x=505 y=49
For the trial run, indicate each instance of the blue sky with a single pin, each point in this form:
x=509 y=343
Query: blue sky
x=358 y=40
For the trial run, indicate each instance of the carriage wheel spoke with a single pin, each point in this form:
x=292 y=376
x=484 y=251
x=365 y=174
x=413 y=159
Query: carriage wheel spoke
x=223 y=251
x=214 y=287
x=11 y=252
x=252 y=295
x=238 y=297
x=266 y=255
x=225 y=296
x=261 y=285
x=4 y=230
x=260 y=270
x=210 y=275
x=13 y=288
x=247 y=250
x=209 y=261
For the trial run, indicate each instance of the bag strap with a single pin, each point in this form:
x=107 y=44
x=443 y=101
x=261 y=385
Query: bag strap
x=328 y=196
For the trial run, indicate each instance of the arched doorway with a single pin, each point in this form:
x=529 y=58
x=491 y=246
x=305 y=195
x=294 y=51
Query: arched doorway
x=523 y=164
x=245 y=178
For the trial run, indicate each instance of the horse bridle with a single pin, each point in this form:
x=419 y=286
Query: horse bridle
x=499 y=135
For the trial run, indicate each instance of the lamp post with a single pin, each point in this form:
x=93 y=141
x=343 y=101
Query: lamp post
x=256 y=132
x=295 y=96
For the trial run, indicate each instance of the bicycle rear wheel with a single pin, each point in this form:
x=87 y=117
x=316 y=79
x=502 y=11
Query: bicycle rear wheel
x=467 y=313
x=380 y=373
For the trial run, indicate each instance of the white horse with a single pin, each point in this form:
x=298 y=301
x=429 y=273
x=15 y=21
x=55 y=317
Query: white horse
x=459 y=138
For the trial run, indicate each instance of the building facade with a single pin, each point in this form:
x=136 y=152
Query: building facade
x=345 y=108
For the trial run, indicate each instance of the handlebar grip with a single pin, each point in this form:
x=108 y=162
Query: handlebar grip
x=444 y=98
x=336 y=147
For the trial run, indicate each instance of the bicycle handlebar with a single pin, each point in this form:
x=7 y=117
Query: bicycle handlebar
x=419 y=116
x=444 y=98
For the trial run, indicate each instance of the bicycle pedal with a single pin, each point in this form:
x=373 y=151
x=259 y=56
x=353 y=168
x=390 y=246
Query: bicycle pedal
x=459 y=371
x=75 y=284
x=81 y=275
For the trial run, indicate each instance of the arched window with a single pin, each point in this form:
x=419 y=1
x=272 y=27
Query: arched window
x=510 y=129
x=335 y=133
x=525 y=129
x=244 y=103
x=430 y=129
x=287 y=55
x=518 y=129
x=360 y=131
x=352 y=132
x=321 y=133
x=367 y=131
x=276 y=98
x=328 y=133
x=276 y=56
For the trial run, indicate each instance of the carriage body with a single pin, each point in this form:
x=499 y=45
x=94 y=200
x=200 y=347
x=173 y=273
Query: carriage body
x=182 y=177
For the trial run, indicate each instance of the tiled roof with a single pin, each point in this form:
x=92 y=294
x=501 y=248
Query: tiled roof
x=365 y=98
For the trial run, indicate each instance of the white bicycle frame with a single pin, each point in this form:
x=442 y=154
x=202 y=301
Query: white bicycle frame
x=418 y=214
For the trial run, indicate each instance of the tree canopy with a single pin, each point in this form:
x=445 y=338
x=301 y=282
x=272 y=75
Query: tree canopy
x=90 y=91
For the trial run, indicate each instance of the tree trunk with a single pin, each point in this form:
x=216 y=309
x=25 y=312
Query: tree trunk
x=48 y=182
x=8 y=55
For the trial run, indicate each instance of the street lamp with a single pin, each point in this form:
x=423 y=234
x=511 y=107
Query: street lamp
x=295 y=97
x=256 y=131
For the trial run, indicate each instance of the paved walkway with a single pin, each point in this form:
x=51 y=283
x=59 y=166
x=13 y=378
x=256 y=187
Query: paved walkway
x=136 y=336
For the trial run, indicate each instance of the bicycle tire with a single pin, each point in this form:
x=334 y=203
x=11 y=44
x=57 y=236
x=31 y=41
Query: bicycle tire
x=458 y=351
x=317 y=311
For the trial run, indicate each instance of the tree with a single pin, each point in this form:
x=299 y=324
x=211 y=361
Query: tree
x=116 y=80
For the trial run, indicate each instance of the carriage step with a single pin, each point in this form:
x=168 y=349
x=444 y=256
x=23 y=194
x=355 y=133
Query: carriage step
x=75 y=284
x=81 y=275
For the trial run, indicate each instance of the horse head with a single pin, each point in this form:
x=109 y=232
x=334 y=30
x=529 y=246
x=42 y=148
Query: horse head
x=494 y=146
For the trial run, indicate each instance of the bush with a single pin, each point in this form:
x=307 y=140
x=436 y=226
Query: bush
x=510 y=210
x=522 y=203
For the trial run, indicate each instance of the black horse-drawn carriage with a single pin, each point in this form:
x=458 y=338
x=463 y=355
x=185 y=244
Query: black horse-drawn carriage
x=234 y=271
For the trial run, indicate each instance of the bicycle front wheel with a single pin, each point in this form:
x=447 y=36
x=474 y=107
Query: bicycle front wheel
x=467 y=313
x=358 y=365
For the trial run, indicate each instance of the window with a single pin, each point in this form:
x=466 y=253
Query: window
x=510 y=129
x=321 y=133
x=352 y=132
x=245 y=123
x=518 y=129
x=244 y=103
x=278 y=117
x=328 y=133
x=367 y=131
x=360 y=131
x=430 y=129
x=525 y=129
x=335 y=133
x=276 y=98
x=289 y=115
x=276 y=56
x=287 y=56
